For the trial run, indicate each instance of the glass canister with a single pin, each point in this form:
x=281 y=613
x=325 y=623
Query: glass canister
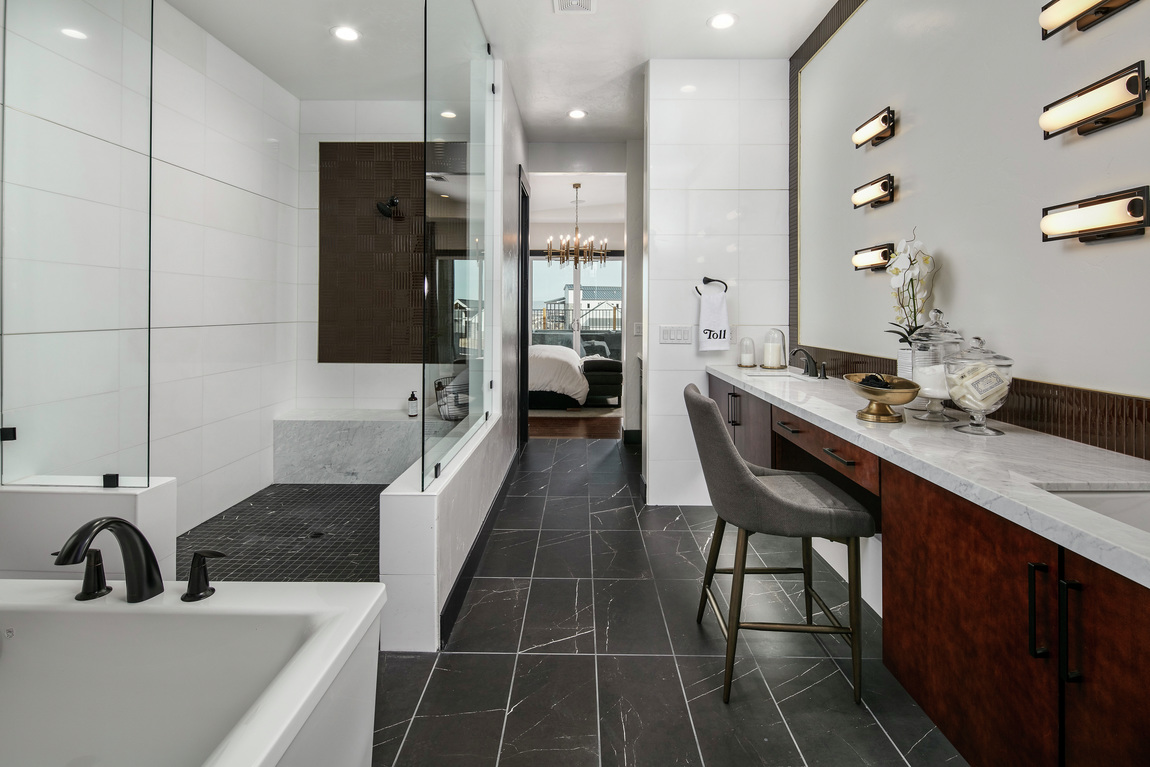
x=746 y=353
x=930 y=345
x=774 y=350
x=978 y=380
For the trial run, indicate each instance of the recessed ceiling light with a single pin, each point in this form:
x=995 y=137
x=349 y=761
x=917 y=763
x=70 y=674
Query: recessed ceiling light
x=687 y=89
x=722 y=20
x=345 y=33
x=446 y=195
x=75 y=33
x=576 y=114
x=448 y=115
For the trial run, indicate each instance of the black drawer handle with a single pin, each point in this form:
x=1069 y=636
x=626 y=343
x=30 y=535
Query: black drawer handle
x=783 y=425
x=737 y=418
x=838 y=457
x=1064 y=588
x=1032 y=610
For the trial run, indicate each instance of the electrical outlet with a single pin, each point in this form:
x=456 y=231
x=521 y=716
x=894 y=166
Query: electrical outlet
x=638 y=328
x=675 y=334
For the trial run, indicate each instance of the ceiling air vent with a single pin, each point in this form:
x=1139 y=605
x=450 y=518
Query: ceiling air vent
x=574 y=6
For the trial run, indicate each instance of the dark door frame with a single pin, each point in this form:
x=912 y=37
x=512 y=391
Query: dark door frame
x=524 y=299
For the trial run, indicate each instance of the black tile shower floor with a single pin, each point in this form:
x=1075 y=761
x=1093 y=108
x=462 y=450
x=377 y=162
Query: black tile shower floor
x=577 y=645
x=292 y=533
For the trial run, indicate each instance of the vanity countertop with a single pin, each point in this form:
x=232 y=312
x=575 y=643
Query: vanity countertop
x=1008 y=475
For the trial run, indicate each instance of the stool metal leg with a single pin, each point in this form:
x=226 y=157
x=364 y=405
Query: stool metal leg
x=736 y=610
x=712 y=561
x=807 y=563
x=855 y=597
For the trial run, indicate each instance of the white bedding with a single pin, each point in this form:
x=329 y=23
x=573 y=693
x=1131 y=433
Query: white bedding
x=557 y=369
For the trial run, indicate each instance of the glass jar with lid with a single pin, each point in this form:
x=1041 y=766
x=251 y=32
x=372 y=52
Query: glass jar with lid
x=746 y=353
x=774 y=350
x=930 y=345
x=978 y=380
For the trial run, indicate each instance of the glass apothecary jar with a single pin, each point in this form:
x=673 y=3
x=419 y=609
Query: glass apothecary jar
x=978 y=380
x=746 y=353
x=930 y=345
x=774 y=350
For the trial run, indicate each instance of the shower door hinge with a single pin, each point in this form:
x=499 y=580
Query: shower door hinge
x=493 y=87
x=491 y=384
x=487 y=415
x=8 y=434
x=437 y=471
x=489 y=49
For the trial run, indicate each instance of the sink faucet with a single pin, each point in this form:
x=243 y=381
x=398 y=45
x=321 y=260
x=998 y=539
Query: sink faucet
x=808 y=362
x=141 y=571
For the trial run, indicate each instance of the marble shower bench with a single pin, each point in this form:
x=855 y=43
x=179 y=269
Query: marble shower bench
x=353 y=446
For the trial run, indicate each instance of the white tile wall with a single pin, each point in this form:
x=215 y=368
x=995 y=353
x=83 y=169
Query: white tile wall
x=717 y=179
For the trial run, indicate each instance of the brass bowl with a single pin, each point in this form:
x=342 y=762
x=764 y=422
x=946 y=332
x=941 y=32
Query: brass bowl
x=878 y=410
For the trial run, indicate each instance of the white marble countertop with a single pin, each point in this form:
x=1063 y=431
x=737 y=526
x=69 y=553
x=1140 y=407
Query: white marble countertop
x=1008 y=475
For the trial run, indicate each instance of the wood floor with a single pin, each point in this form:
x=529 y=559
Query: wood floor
x=540 y=427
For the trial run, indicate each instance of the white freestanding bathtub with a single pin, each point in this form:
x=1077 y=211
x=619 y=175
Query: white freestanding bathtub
x=259 y=674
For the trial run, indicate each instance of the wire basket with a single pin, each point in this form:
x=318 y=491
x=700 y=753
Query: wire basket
x=452 y=399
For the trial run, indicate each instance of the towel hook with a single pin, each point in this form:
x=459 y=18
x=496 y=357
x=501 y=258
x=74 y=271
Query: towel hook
x=708 y=281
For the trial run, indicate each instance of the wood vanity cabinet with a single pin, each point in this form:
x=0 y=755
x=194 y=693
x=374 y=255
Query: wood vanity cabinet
x=748 y=420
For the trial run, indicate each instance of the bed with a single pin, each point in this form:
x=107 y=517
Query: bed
x=559 y=379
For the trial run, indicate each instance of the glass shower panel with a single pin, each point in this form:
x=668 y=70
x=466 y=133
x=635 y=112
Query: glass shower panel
x=458 y=239
x=74 y=279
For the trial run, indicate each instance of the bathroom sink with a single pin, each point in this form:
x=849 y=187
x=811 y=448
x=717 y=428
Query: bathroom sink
x=762 y=373
x=1129 y=506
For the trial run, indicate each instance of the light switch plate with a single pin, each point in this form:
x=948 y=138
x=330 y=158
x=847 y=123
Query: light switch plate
x=675 y=334
x=638 y=328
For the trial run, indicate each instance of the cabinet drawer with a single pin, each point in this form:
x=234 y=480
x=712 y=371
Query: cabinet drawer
x=849 y=460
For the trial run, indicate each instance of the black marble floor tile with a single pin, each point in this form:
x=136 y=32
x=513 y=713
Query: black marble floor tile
x=563 y=554
x=613 y=514
x=619 y=554
x=460 y=719
x=727 y=549
x=608 y=486
x=699 y=517
x=680 y=602
x=628 y=619
x=765 y=600
x=552 y=717
x=491 y=617
x=520 y=513
x=643 y=717
x=818 y=704
x=560 y=617
x=570 y=465
x=662 y=518
x=674 y=555
x=834 y=593
x=571 y=484
x=529 y=483
x=567 y=448
x=747 y=731
x=508 y=554
x=536 y=460
x=566 y=512
x=400 y=680
x=910 y=729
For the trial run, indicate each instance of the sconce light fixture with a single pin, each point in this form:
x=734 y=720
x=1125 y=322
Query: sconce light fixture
x=1109 y=101
x=1120 y=214
x=1059 y=14
x=875 y=130
x=874 y=258
x=875 y=193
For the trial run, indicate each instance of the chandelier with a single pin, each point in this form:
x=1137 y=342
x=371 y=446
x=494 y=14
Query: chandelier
x=572 y=248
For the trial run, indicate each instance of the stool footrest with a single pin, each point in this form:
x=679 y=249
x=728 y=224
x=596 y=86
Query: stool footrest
x=761 y=570
x=798 y=628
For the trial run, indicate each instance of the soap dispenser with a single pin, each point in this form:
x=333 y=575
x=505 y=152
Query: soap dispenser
x=413 y=405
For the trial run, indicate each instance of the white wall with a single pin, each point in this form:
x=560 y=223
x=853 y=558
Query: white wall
x=974 y=173
x=633 y=292
x=224 y=261
x=344 y=385
x=717 y=179
x=75 y=243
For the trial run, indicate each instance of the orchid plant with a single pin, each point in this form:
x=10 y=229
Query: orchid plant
x=912 y=280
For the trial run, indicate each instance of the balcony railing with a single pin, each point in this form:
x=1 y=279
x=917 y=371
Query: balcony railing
x=607 y=318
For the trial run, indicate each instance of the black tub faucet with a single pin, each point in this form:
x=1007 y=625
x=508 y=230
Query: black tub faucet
x=141 y=571
x=808 y=361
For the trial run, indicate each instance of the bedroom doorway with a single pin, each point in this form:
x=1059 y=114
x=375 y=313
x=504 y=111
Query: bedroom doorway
x=575 y=308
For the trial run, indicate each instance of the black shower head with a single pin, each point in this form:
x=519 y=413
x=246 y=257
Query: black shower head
x=388 y=209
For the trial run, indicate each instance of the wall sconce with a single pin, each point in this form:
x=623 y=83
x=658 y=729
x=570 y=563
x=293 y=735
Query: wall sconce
x=874 y=258
x=1109 y=101
x=875 y=130
x=875 y=193
x=1120 y=214
x=1058 y=14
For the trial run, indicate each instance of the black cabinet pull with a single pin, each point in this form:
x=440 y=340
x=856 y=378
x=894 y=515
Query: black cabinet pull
x=783 y=425
x=838 y=457
x=730 y=416
x=1064 y=588
x=738 y=420
x=1032 y=611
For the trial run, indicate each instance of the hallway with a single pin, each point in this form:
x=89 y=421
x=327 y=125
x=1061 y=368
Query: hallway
x=577 y=645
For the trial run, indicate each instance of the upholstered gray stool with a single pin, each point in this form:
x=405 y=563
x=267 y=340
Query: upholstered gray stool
x=787 y=503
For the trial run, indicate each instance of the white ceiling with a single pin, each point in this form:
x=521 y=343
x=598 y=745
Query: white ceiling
x=556 y=62
x=602 y=198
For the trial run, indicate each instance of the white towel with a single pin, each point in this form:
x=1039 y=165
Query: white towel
x=714 y=330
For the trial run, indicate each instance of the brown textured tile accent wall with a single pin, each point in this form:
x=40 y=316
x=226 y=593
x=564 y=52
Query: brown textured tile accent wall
x=370 y=267
x=1110 y=421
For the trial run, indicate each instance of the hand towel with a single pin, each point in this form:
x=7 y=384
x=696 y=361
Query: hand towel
x=714 y=331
